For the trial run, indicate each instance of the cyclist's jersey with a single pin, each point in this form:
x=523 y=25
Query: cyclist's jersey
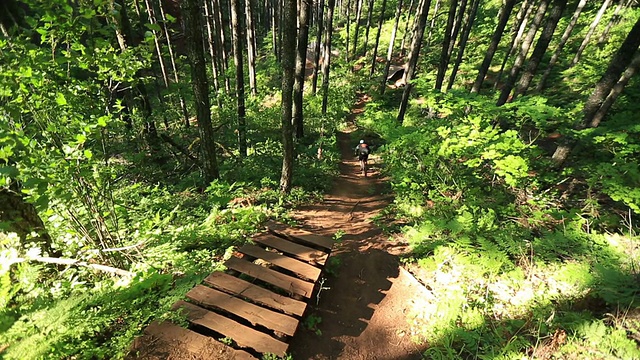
x=362 y=150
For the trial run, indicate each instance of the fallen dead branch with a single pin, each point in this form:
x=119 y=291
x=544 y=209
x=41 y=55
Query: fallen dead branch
x=74 y=262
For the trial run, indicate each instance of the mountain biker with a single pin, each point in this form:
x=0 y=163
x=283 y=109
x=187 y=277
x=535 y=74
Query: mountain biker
x=362 y=151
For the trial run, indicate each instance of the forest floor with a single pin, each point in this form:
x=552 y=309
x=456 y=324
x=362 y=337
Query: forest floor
x=370 y=302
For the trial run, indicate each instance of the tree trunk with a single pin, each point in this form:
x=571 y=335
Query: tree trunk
x=622 y=4
x=464 y=37
x=563 y=41
x=493 y=46
x=616 y=91
x=433 y=21
x=406 y=28
x=374 y=58
x=183 y=104
x=193 y=32
x=208 y=14
x=623 y=59
x=219 y=21
x=301 y=61
x=346 y=43
x=387 y=65
x=358 y=17
x=327 y=56
x=274 y=29
x=416 y=43
x=236 y=34
x=156 y=41
x=526 y=44
x=366 y=31
x=316 y=53
x=522 y=19
x=21 y=217
x=288 y=59
x=590 y=32
x=251 y=46
x=457 y=25
x=541 y=47
x=444 y=60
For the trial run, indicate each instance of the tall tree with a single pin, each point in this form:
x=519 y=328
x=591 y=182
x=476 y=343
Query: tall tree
x=418 y=34
x=387 y=64
x=288 y=59
x=444 y=58
x=346 y=43
x=541 y=47
x=251 y=46
x=592 y=29
x=358 y=18
x=192 y=14
x=220 y=39
x=316 y=52
x=622 y=4
x=436 y=7
x=493 y=46
x=407 y=30
x=236 y=34
x=524 y=50
x=208 y=15
x=623 y=58
x=368 y=27
x=374 y=58
x=301 y=61
x=327 y=56
x=561 y=44
x=463 y=41
x=522 y=18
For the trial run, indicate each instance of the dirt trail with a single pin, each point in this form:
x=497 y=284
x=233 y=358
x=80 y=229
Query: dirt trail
x=365 y=310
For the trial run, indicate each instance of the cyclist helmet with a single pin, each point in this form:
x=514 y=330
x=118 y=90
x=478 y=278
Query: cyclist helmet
x=361 y=141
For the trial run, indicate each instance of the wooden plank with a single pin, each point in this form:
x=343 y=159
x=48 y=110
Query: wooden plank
x=166 y=340
x=205 y=296
x=286 y=282
x=299 y=251
x=302 y=268
x=255 y=293
x=300 y=235
x=244 y=336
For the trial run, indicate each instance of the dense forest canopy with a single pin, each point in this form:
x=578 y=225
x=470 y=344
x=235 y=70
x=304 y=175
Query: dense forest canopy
x=133 y=159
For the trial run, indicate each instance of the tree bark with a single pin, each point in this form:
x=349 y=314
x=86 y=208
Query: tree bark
x=208 y=14
x=327 y=56
x=236 y=34
x=288 y=59
x=590 y=32
x=219 y=21
x=493 y=46
x=526 y=44
x=374 y=58
x=193 y=32
x=457 y=25
x=444 y=60
x=464 y=37
x=541 y=47
x=301 y=61
x=274 y=29
x=316 y=53
x=416 y=43
x=251 y=46
x=623 y=59
x=563 y=41
x=366 y=31
x=387 y=65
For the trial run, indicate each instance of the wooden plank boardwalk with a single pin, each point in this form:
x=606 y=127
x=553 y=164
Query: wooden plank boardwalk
x=257 y=304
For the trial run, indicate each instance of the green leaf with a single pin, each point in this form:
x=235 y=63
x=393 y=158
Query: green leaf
x=154 y=27
x=102 y=121
x=60 y=99
x=81 y=138
x=88 y=154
